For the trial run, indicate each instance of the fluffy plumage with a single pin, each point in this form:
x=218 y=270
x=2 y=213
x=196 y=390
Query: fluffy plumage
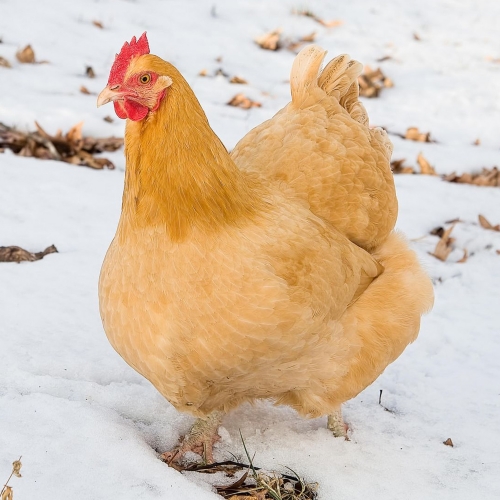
x=271 y=273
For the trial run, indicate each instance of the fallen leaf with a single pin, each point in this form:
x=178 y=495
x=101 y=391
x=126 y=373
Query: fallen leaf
x=486 y=224
x=108 y=119
x=4 y=63
x=384 y=58
x=477 y=142
x=413 y=134
x=444 y=245
x=398 y=167
x=7 y=493
x=465 y=257
x=72 y=148
x=85 y=90
x=203 y=72
x=448 y=442
x=18 y=254
x=372 y=81
x=498 y=252
x=487 y=177
x=16 y=465
x=98 y=24
x=416 y=36
x=425 y=166
x=237 y=79
x=309 y=38
x=89 y=72
x=26 y=55
x=437 y=231
x=241 y=101
x=270 y=41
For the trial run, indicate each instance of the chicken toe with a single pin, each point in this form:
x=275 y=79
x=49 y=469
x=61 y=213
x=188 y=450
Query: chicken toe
x=336 y=424
x=200 y=439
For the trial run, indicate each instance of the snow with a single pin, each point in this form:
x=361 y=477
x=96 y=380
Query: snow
x=86 y=425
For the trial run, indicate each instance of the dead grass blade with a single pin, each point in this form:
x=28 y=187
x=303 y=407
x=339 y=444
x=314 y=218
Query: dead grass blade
x=18 y=254
x=327 y=24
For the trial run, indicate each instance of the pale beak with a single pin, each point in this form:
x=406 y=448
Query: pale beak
x=108 y=95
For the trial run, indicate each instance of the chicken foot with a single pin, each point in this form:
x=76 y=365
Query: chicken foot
x=336 y=424
x=200 y=439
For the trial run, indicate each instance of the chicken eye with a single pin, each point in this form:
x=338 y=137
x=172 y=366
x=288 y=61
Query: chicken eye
x=146 y=78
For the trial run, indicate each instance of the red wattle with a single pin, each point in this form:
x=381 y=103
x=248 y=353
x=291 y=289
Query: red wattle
x=119 y=109
x=135 y=111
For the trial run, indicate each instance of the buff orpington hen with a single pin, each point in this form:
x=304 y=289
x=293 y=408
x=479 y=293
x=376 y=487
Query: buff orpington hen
x=272 y=273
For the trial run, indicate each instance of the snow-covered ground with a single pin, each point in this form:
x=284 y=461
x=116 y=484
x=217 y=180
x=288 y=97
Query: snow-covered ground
x=86 y=424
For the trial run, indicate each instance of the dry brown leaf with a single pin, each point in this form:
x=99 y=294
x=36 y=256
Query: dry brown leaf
x=241 y=101
x=26 y=55
x=75 y=133
x=437 y=231
x=486 y=224
x=477 y=142
x=372 y=81
x=4 y=63
x=487 y=177
x=425 y=166
x=98 y=24
x=465 y=257
x=71 y=148
x=85 y=90
x=444 y=245
x=237 y=79
x=398 y=167
x=108 y=119
x=203 y=72
x=498 y=252
x=7 y=493
x=416 y=36
x=89 y=72
x=309 y=38
x=18 y=254
x=448 y=442
x=16 y=464
x=270 y=41
x=413 y=134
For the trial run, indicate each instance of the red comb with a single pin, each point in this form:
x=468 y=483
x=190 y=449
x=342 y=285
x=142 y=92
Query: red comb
x=122 y=60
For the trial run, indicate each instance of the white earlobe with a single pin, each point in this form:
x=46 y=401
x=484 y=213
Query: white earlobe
x=165 y=81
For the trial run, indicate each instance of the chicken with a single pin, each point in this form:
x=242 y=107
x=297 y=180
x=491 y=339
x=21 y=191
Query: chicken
x=271 y=274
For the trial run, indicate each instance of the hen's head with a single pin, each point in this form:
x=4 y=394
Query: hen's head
x=137 y=82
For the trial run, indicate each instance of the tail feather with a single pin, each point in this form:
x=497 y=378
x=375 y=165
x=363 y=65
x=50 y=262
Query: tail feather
x=305 y=71
x=339 y=79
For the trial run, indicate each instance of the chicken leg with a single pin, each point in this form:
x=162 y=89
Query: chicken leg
x=336 y=424
x=200 y=439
